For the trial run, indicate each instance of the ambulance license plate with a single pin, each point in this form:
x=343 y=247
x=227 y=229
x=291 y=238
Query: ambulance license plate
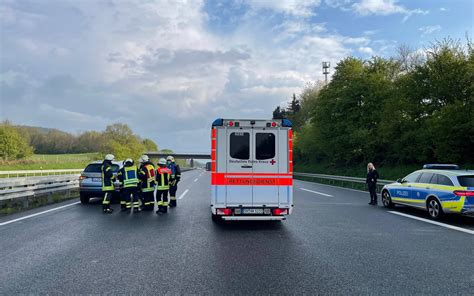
x=96 y=179
x=252 y=211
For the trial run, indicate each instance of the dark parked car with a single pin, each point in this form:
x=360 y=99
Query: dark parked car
x=90 y=181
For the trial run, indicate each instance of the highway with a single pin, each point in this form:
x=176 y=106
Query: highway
x=333 y=244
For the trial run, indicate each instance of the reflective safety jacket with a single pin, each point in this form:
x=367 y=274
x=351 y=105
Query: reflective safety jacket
x=146 y=174
x=107 y=176
x=175 y=172
x=128 y=176
x=163 y=175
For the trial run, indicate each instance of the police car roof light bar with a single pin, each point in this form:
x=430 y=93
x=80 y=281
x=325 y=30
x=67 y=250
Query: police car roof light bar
x=434 y=166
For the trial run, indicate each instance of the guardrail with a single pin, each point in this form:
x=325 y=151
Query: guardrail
x=342 y=179
x=11 y=188
x=17 y=174
x=30 y=186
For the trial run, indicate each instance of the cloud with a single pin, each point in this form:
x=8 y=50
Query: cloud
x=384 y=7
x=429 y=29
x=158 y=67
x=303 y=8
x=366 y=50
x=337 y=3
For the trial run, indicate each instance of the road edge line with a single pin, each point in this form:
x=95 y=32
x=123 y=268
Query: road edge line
x=37 y=214
x=434 y=222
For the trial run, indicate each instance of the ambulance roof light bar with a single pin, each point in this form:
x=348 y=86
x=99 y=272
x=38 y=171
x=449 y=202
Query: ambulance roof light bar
x=284 y=122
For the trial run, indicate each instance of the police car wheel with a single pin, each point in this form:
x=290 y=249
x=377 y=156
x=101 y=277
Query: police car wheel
x=434 y=208
x=387 y=200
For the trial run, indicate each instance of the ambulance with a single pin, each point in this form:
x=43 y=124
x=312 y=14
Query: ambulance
x=251 y=169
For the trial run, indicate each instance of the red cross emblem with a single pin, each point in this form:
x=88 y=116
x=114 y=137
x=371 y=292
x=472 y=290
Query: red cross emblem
x=272 y=161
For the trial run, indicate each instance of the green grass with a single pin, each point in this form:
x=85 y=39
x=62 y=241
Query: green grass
x=50 y=162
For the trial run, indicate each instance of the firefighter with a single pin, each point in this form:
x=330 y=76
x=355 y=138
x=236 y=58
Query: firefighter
x=146 y=174
x=128 y=177
x=107 y=183
x=174 y=179
x=163 y=174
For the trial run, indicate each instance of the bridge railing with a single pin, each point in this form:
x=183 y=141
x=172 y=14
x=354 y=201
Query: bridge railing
x=344 y=181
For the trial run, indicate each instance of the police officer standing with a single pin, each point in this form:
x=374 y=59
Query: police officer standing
x=371 y=181
x=146 y=174
x=174 y=179
x=163 y=174
x=128 y=177
x=107 y=183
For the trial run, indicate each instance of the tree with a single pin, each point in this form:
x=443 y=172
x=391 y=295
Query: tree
x=150 y=145
x=294 y=106
x=279 y=113
x=12 y=144
x=120 y=141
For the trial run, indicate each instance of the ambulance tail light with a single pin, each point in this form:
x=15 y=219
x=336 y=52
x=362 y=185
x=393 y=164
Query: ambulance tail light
x=463 y=193
x=224 y=212
x=279 y=212
x=82 y=177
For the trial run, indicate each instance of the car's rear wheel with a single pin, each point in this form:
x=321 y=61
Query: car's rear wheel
x=84 y=198
x=434 y=208
x=387 y=200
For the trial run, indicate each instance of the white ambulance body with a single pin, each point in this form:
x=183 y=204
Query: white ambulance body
x=252 y=169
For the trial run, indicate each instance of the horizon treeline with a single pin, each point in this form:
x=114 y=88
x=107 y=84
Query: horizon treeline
x=18 y=142
x=417 y=107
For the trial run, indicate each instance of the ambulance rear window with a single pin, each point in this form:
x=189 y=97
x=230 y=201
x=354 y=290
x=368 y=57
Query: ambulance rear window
x=240 y=145
x=265 y=146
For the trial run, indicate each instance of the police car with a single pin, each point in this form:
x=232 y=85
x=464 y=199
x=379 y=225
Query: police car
x=251 y=169
x=437 y=188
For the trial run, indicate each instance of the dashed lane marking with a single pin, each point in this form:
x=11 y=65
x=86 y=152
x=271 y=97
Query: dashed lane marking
x=320 y=193
x=37 y=214
x=433 y=222
x=183 y=194
x=195 y=180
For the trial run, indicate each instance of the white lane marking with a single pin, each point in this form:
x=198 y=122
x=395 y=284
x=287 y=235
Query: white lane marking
x=195 y=180
x=312 y=191
x=339 y=187
x=40 y=213
x=434 y=222
x=183 y=194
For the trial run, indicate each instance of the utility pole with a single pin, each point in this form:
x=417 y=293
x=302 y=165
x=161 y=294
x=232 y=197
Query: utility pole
x=326 y=66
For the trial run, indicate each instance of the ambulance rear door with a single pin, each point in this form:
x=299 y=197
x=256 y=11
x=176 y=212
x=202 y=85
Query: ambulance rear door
x=265 y=164
x=239 y=167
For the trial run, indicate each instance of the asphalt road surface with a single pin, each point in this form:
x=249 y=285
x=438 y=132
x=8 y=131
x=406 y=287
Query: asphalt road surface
x=334 y=243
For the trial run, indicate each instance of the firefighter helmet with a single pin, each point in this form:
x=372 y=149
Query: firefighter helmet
x=144 y=158
x=109 y=157
x=128 y=161
x=170 y=158
x=162 y=161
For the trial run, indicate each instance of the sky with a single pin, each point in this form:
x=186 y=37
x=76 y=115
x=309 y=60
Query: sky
x=169 y=68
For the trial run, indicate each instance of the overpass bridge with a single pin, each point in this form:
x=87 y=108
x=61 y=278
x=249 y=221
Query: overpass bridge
x=190 y=156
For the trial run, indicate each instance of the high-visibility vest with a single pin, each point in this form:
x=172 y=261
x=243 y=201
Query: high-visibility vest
x=150 y=178
x=107 y=182
x=130 y=178
x=163 y=178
